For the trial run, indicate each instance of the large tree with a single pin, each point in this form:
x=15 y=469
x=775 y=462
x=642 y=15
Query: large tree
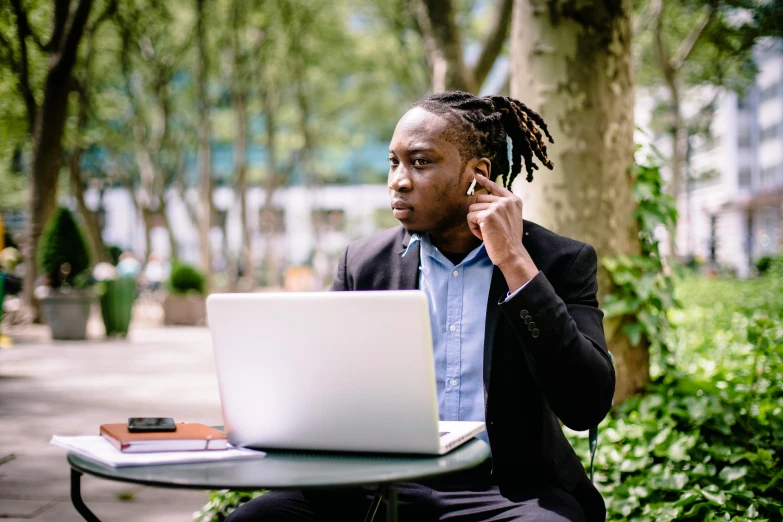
x=46 y=105
x=572 y=64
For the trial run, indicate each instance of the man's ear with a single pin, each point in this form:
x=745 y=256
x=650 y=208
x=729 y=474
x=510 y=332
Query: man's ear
x=483 y=167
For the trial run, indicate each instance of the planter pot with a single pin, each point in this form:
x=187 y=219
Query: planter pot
x=185 y=310
x=66 y=313
x=117 y=305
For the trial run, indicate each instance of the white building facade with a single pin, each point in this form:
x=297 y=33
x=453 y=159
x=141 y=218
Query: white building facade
x=730 y=208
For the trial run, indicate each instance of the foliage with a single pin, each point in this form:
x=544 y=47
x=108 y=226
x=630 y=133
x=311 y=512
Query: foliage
x=63 y=254
x=642 y=285
x=222 y=503
x=114 y=252
x=186 y=278
x=706 y=441
x=763 y=264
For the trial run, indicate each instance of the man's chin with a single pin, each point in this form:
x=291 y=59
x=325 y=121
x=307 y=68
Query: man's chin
x=411 y=228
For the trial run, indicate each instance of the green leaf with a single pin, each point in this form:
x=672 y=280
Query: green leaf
x=678 y=451
x=730 y=474
x=718 y=497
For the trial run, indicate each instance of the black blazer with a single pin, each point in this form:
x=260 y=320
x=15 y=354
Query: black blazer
x=554 y=365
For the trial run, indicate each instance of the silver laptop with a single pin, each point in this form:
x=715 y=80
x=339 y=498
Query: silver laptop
x=330 y=371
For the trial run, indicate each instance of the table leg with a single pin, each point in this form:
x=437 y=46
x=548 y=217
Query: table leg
x=374 y=505
x=391 y=504
x=389 y=494
x=76 y=497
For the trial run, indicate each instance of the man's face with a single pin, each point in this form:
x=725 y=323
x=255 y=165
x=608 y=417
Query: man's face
x=427 y=184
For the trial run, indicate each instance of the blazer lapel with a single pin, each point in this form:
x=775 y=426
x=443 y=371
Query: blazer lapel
x=406 y=277
x=497 y=289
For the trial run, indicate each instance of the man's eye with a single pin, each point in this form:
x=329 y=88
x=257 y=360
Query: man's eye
x=420 y=161
x=393 y=161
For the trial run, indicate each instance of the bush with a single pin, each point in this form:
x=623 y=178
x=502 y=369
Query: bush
x=186 y=278
x=62 y=251
x=114 y=253
x=763 y=264
x=706 y=440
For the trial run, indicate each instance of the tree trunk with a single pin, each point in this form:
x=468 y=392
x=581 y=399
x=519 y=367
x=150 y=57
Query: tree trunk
x=574 y=67
x=205 y=160
x=270 y=256
x=147 y=216
x=679 y=137
x=99 y=252
x=240 y=144
x=164 y=214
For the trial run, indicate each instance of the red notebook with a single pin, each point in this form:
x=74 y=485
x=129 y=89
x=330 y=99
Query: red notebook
x=189 y=436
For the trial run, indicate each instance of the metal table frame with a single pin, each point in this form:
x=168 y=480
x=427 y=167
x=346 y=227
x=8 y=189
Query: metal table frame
x=465 y=457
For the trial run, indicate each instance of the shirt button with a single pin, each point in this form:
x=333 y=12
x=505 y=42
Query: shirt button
x=453 y=382
x=455 y=273
x=452 y=327
x=523 y=313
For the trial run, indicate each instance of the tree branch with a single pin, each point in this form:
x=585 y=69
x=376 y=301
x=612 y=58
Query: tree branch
x=73 y=36
x=444 y=47
x=687 y=46
x=62 y=9
x=494 y=41
x=23 y=70
x=661 y=52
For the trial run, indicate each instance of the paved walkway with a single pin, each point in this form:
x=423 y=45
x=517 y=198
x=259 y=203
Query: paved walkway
x=70 y=388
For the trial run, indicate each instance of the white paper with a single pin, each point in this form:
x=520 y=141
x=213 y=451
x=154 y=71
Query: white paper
x=99 y=449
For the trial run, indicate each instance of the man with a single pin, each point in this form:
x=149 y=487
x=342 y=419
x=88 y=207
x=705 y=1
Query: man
x=517 y=331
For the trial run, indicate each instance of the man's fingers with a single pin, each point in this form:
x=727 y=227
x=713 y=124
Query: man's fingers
x=478 y=207
x=494 y=188
x=487 y=198
x=474 y=226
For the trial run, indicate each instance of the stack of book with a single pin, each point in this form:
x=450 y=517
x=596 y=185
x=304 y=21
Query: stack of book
x=117 y=447
x=189 y=436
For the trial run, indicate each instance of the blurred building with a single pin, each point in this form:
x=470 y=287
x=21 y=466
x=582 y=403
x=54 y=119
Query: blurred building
x=301 y=223
x=731 y=204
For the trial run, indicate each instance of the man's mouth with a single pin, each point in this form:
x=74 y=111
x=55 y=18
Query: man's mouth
x=401 y=210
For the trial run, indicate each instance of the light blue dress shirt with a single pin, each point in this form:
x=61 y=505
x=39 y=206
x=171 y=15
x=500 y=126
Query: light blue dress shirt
x=458 y=312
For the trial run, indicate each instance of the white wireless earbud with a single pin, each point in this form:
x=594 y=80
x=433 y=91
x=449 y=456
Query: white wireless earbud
x=471 y=187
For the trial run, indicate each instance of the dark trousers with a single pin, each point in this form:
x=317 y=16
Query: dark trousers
x=467 y=497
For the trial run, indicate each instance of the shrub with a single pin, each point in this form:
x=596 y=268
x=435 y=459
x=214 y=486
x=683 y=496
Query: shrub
x=186 y=278
x=62 y=251
x=114 y=253
x=706 y=439
x=763 y=264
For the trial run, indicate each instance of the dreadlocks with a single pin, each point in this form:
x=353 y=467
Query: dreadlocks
x=481 y=126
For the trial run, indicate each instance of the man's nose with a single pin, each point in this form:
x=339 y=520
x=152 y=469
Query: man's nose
x=399 y=181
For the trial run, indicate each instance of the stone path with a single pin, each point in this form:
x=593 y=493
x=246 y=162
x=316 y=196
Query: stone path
x=70 y=388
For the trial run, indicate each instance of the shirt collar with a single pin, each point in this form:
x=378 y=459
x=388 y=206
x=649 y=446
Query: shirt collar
x=430 y=249
x=415 y=238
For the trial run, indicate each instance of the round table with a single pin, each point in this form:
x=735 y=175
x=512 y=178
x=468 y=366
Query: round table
x=286 y=470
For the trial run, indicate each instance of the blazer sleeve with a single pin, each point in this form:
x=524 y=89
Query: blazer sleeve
x=563 y=342
x=340 y=283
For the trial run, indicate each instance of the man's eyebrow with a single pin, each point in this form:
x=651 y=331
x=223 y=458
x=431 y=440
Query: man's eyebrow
x=414 y=150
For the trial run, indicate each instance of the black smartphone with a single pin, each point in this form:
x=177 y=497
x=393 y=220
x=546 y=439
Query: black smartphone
x=146 y=424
